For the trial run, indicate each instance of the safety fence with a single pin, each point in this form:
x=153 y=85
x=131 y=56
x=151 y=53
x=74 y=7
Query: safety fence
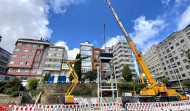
x=159 y=106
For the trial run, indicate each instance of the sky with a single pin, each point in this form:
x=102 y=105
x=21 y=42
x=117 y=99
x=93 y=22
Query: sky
x=71 y=22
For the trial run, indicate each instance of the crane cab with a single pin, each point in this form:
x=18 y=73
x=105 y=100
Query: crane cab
x=67 y=99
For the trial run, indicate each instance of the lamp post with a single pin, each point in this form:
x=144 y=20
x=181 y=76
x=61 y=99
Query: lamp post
x=179 y=82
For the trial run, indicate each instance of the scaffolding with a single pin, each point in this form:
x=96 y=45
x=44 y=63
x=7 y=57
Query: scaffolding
x=105 y=77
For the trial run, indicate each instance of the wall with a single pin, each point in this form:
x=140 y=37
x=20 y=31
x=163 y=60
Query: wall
x=7 y=100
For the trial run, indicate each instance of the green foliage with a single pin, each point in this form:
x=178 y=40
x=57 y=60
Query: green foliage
x=10 y=90
x=13 y=83
x=91 y=75
x=186 y=82
x=82 y=92
x=188 y=54
x=15 y=93
x=46 y=77
x=32 y=84
x=77 y=67
x=165 y=81
x=127 y=86
x=2 y=86
x=70 y=77
x=126 y=73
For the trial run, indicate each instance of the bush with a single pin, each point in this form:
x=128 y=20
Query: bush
x=82 y=92
x=13 y=83
x=127 y=86
x=165 y=81
x=32 y=84
x=10 y=90
x=91 y=75
x=186 y=82
x=15 y=93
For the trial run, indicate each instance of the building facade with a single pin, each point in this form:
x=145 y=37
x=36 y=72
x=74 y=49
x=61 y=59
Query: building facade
x=65 y=70
x=123 y=56
x=153 y=63
x=173 y=57
x=96 y=53
x=4 y=60
x=86 y=49
x=53 y=62
x=28 y=59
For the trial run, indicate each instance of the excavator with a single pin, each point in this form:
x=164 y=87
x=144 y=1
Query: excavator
x=155 y=92
x=68 y=98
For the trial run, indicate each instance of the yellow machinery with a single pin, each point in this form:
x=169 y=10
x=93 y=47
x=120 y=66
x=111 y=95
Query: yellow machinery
x=68 y=98
x=156 y=91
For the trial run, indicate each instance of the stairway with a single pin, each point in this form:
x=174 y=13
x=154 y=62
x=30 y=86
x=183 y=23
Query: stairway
x=26 y=98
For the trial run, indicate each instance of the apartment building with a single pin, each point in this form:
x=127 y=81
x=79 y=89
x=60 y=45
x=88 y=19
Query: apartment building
x=28 y=59
x=96 y=53
x=123 y=56
x=153 y=63
x=4 y=59
x=53 y=62
x=173 y=57
x=86 y=49
x=65 y=70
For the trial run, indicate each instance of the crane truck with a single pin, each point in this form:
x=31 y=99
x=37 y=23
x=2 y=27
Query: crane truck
x=156 y=92
x=68 y=98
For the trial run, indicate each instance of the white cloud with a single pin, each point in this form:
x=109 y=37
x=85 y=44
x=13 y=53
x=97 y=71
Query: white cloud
x=23 y=19
x=71 y=53
x=146 y=30
x=165 y=2
x=59 y=6
x=112 y=41
x=185 y=19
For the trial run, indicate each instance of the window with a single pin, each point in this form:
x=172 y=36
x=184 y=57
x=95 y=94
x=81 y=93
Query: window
x=14 y=55
x=50 y=54
x=163 y=52
x=183 y=75
x=65 y=72
x=173 y=77
x=167 y=62
x=178 y=63
x=96 y=56
x=27 y=63
x=48 y=65
x=19 y=70
x=173 y=53
x=17 y=49
x=189 y=73
x=164 y=68
x=182 y=54
x=184 y=46
x=166 y=73
x=161 y=59
x=169 y=67
x=179 y=49
x=39 y=51
x=47 y=72
x=33 y=70
x=163 y=63
x=58 y=55
x=35 y=64
x=52 y=49
x=22 y=56
x=171 y=60
x=165 y=57
x=176 y=71
x=171 y=72
x=97 y=51
x=19 y=43
x=37 y=57
x=185 y=60
x=177 y=44
x=32 y=50
x=49 y=60
x=20 y=62
x=172 y=47
x=61 y=50
x=27 y=44
x=168 y=78
x=178 y=76
x=169 y=55
x=26 y=70
x=23 y=78
x=188 y=67
x=57 y=60
x=176 y=58
x=174 y=65
x=182 y=41
x=10 y=69
x=56 y=66
x=40 y=45
x=11 y=62
x=29 y=57
x=167 y=50
x=33 y=45
x=181 y=69
x=25 y=50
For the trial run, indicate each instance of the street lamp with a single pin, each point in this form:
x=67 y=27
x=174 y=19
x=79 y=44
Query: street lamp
x=179 y=82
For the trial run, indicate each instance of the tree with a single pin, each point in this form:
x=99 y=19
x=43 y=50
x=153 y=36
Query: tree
x=126 y=73
x=188 y=54
x=186 y=82
x=165 y=81
x=46 y=77
x=77 y=68
x=91 y=75
x=32 y=84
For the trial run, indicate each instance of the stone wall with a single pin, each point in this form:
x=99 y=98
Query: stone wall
x=8 y=100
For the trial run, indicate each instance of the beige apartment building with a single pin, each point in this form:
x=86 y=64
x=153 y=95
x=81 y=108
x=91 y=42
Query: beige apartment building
x=153 y=63
x=53 y=62
x=173 y=57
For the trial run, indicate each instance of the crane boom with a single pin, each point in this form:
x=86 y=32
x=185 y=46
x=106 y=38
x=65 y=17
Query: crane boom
x=133 y=47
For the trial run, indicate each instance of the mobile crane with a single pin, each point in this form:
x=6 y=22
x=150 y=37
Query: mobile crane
x=68 y=98
x=157 y=92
